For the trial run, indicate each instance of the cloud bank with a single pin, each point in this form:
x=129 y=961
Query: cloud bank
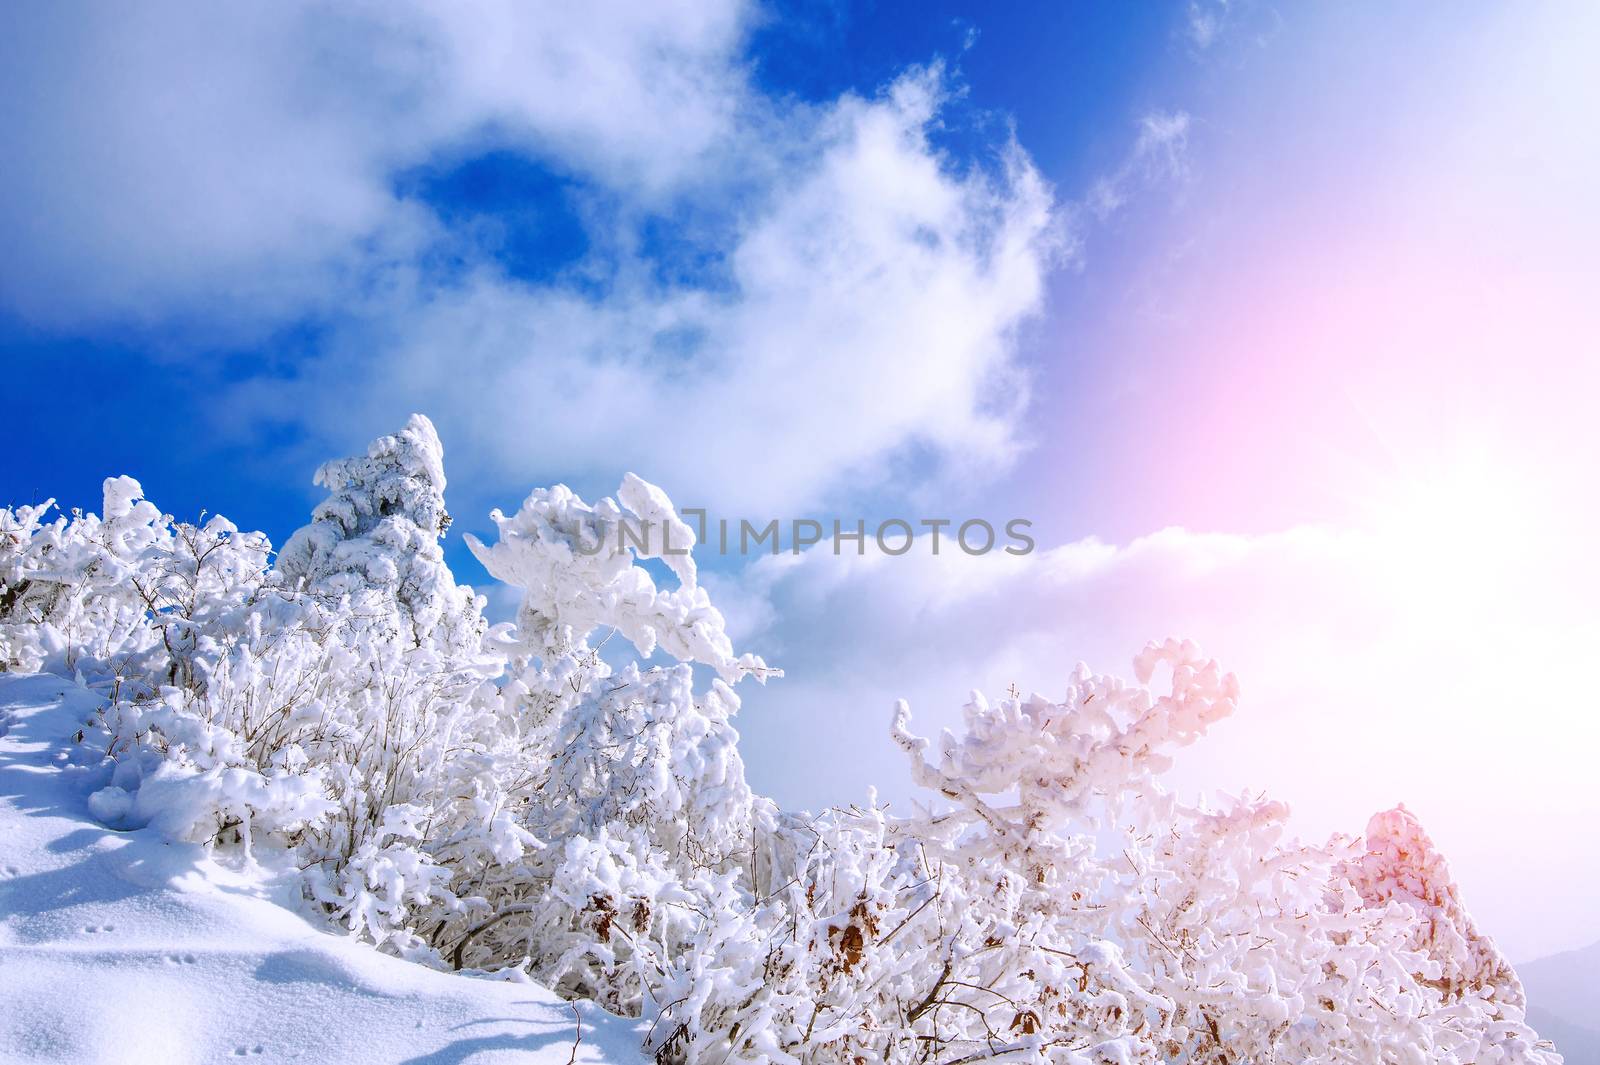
x=1392 y=662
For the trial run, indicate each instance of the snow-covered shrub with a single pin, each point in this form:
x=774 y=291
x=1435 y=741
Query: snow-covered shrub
x=318 y=703
x=511 y=797
x=633 y=781
x=1057 y=906
x=118 y=593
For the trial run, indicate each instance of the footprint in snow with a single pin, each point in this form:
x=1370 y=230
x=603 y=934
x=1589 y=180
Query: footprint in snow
x=181 y=959
x=240 y=1052
x=100 y=928
x=9 y=871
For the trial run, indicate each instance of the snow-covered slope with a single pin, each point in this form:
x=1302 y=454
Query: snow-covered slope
x=1564 y=1001
x=119 y=947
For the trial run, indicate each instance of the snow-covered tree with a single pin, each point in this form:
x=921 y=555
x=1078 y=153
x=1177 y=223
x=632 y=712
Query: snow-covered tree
x=1400 y=865
x=378 y=533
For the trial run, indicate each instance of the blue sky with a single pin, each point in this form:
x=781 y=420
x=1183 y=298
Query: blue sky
x=1276 y=321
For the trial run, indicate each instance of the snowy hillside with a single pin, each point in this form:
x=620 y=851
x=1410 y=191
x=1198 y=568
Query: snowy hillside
x=216 y=753
x=1564 y=1002
x=119 y=948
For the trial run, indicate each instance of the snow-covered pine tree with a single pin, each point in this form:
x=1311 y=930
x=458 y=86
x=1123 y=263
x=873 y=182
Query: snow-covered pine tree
x=378 y=533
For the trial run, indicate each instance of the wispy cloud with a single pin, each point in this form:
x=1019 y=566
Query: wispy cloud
x=1228 y=31
x=1204 y=22
x=1158 y=154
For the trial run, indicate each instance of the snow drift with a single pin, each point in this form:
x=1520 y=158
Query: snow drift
x=126 y=948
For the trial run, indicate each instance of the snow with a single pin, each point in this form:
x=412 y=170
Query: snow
x=264 y=751
x=119 y=947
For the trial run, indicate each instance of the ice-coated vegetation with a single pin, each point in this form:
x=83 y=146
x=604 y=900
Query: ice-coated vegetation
x=484 y=797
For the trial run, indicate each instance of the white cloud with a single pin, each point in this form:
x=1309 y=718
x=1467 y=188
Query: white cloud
x=1205 y=21
x=197 y=166
x=873 y=295
x=237 y=162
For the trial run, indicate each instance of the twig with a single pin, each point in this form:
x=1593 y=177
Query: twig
x=577 y=1018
